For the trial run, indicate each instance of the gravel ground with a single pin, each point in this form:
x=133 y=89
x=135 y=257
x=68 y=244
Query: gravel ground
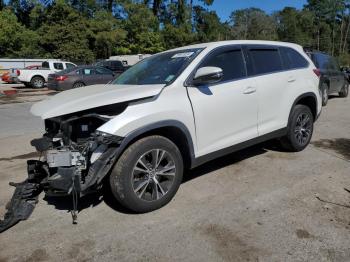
x=258 y=204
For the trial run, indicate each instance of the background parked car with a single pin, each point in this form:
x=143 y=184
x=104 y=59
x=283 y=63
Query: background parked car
x=12 y=75
x=116 y=66
x=346 y=71
x=78 y=77
x=332 y=78
x=37 y=77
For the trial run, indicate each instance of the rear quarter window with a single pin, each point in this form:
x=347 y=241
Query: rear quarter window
x=265 y=60
x=69 y=65
x=58 y=66
x=322 y=61
x=45 y=65
x=292 y=59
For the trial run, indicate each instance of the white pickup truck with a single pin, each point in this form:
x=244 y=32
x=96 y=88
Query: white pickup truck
x=37 y=77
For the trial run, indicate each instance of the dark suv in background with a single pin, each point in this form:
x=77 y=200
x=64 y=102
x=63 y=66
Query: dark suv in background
x=332 y=79
x=116 y=66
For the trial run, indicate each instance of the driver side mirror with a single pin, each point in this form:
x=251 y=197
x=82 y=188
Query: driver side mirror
x=207 y=75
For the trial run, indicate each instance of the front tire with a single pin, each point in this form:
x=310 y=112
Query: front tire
x=300 y=129
x=148 y=174
x=344 y=92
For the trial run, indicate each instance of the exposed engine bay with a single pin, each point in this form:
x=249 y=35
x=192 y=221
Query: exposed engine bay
x=75 y=157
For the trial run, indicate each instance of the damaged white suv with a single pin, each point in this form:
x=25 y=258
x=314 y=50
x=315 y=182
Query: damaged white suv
x=172 y=111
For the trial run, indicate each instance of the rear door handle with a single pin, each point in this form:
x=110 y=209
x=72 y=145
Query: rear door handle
x=249 y=90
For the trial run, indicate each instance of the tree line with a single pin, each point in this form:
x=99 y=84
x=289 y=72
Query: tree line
x=88 y=30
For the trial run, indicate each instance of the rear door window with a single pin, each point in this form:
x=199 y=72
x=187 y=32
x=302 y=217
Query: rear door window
x=231 y=62
x=265 y=60
x=292 y=59
x=58 y=66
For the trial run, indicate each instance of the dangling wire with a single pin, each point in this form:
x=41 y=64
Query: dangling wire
x=74 y=211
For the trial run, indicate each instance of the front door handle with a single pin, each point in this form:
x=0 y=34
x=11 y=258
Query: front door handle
x=249 y=90
x=291 y=79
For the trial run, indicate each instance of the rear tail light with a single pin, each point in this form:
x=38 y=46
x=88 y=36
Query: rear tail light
x=317 y=72
x=61 y=78
x=18 y=72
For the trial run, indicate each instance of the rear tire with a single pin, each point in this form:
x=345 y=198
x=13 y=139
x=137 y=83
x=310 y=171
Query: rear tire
x=148 y=174
x=324 y=90
x=37 y=82
x=78 y=84
x=300 y=129
x=344 y=92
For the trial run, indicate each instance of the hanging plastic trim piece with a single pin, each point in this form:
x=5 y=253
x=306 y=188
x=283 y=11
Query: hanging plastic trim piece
x=26 y=195
x=21 y=205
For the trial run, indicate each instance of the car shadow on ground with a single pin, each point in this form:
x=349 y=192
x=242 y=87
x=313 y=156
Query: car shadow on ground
x=105 y=194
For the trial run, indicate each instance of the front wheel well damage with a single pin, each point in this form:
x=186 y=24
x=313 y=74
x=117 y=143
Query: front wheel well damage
x=174 y=134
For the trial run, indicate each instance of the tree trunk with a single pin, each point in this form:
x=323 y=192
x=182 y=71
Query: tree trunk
x=191 y=15
x=156 y=7
x=318 y=37
x=110 y=5
x=341 y=33
x=346 y=33
x=180 y=16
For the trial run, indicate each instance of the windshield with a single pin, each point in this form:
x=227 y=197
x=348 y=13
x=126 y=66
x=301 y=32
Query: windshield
x=158 y=69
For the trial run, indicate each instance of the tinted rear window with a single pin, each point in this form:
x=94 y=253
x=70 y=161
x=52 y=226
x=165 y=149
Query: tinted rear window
x=322 y=61
x=58 y=66
x=292 y=59
x=115 y=65
x=69 y=65
x=103 y=71
x=231 y=62
x=265 y=61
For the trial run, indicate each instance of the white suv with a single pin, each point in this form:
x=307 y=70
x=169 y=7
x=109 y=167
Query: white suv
x=172 y=111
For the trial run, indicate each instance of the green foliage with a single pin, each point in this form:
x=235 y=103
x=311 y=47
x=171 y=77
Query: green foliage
x=65 y=34
x=86 y=30
x=15 y=39
x=295 y=26
x=208 y=26
x=253 y=23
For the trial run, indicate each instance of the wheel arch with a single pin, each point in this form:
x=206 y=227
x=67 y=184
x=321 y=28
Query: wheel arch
x=173 y=130
x=308 y=99
x=37 y=76
x=325 y=81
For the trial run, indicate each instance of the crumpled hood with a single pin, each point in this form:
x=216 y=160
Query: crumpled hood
x=88 y=97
